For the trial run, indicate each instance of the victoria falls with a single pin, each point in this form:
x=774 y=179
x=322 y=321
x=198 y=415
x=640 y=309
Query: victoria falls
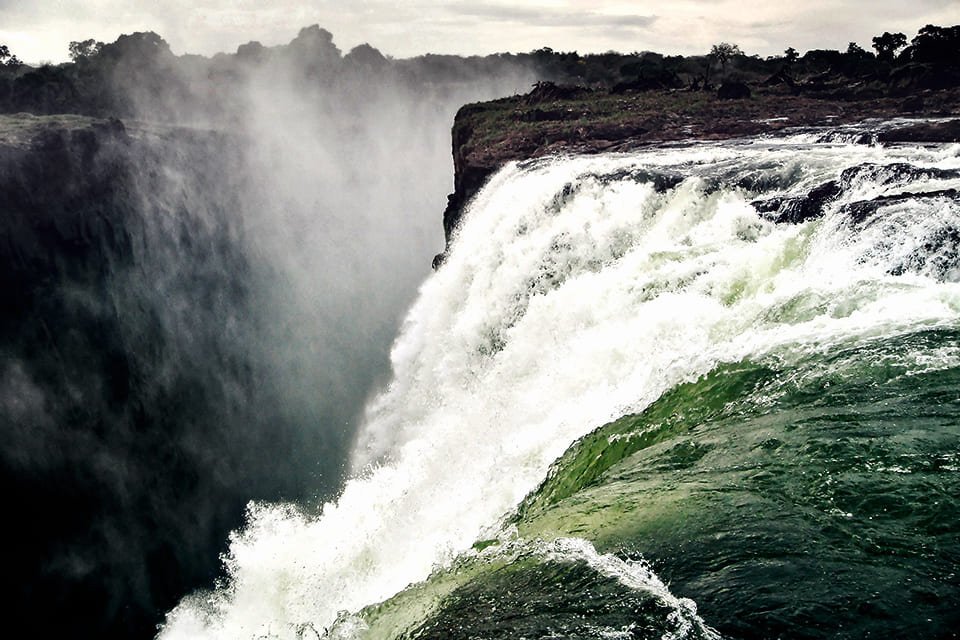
x=677 y=358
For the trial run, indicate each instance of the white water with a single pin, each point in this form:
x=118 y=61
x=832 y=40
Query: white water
x=554 y=314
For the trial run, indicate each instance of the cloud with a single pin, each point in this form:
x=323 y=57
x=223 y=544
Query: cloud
x=547 y=17
x=42 y=30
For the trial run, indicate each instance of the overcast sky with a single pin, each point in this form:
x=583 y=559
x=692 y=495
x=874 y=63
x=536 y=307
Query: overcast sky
x=39 y=30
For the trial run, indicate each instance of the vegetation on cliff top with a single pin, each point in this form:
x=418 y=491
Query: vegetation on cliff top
x=672 y=97
x=138 y=73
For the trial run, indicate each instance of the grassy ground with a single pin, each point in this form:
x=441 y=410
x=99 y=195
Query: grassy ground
x=491 y=133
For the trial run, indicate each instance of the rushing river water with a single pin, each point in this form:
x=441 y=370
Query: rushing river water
x=691 y=392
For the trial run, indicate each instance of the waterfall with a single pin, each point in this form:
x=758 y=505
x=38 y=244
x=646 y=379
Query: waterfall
x=579 y=290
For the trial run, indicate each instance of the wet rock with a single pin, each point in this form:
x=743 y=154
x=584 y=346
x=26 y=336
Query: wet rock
x=797 y=210
x=862 y=210
x=895 y=173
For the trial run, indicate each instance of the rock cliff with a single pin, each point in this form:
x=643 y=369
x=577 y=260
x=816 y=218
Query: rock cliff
x=136 y=417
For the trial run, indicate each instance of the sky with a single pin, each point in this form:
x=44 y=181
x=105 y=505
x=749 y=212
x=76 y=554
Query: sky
x=40 y=30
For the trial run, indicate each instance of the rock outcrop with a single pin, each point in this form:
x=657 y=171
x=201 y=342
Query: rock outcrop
x=136 y=415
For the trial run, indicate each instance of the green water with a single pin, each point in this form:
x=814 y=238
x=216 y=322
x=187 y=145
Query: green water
x=801 y=496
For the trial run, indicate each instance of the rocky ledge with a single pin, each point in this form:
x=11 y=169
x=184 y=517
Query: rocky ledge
x=120 y=274
x=555 y=119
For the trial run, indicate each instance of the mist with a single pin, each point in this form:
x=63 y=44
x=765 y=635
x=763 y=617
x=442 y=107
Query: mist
x=347 y=166
x=210 y=304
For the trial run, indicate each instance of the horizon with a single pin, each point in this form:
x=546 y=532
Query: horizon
x=687 y=27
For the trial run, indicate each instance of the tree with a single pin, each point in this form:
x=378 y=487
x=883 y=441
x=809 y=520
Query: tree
x=856 y=62
x=253 y=50
x=84 y=49
x=723 y=52
x=888 y=44
x=7 y=59
x=790 y=56
x=365 y=57
x=937 y=45
x=853 y=49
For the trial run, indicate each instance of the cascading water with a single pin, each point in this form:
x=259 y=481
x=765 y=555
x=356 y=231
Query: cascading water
x=579 y=290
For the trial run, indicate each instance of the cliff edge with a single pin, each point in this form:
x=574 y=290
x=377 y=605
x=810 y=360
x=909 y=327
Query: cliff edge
x=123 y=279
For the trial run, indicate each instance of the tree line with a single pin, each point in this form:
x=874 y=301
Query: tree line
x=138 y=73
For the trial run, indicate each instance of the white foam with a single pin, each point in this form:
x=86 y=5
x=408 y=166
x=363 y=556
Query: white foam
x=553 y=315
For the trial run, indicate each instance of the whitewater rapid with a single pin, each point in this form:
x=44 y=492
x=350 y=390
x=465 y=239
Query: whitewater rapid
x=578 y=290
